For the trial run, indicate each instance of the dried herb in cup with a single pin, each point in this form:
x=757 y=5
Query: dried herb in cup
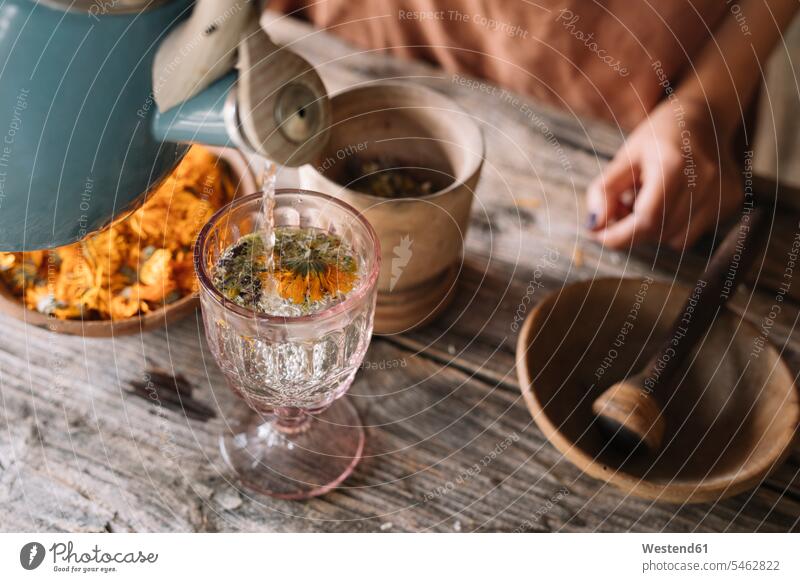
x=312 y=269
x=388 y=178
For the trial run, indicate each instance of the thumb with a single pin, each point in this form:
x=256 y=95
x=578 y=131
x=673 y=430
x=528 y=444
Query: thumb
x=604 y=195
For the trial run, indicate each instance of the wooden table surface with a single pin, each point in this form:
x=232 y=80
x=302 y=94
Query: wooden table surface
x=80 y=452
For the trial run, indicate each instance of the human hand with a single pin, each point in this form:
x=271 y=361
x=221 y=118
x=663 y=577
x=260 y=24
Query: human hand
x=671 y=181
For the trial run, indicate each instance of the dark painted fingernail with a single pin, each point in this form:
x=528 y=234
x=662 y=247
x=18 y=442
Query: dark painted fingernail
x=591 y=220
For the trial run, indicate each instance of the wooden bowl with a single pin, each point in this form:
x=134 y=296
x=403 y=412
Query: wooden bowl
x=11 y=305
x=734 y=417
x=421 y=238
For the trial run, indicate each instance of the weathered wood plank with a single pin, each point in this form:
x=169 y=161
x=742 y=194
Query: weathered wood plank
x=79 y=452
x=103 y=459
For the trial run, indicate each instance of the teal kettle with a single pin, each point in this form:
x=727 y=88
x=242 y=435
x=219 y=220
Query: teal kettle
x=94 y=111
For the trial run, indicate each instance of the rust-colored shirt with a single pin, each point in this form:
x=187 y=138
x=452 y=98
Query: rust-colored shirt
x=603 y=58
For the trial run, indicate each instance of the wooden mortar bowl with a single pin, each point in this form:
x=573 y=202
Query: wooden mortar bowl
x=417 y=127
x=734 y=417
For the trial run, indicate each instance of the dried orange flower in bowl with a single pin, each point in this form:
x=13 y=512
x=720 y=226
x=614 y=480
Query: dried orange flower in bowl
x=135 y=266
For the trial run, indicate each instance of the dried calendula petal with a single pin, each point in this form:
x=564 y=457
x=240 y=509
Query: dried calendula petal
x=123 y=307
x=36 y=258
x=68 y=312
x=196 y=165
x=7 y=260
x=75 y=279
x=93 y=299
x=154 y=294
x=149 y=224
x=39 y=298
x=183 y=272
x=188 y=214
x=20 y=272
x=157 y=269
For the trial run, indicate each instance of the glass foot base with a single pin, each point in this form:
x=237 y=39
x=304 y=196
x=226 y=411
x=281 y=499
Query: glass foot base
x=298 y=463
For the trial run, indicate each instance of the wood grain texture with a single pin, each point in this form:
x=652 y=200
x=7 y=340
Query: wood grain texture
x=450 y=444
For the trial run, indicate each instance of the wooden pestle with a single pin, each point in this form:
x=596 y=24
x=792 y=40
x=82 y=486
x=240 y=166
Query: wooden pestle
x=630 y=412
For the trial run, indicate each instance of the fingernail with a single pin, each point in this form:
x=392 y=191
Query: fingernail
x=591 y=220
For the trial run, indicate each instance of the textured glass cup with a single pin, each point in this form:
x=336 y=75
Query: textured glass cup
x=302 y=440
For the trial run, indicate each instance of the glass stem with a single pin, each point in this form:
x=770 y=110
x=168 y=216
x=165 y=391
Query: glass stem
x=291 y=420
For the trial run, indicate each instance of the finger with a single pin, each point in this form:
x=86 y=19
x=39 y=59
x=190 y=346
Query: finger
x=631 y=230
x=646 y=222
x=604 y=195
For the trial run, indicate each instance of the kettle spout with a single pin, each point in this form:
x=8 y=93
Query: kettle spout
x=295 y=134
x=276 y=106
x=210 y=118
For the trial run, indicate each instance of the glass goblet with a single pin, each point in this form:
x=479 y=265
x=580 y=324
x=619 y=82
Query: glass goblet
x=302 y=439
